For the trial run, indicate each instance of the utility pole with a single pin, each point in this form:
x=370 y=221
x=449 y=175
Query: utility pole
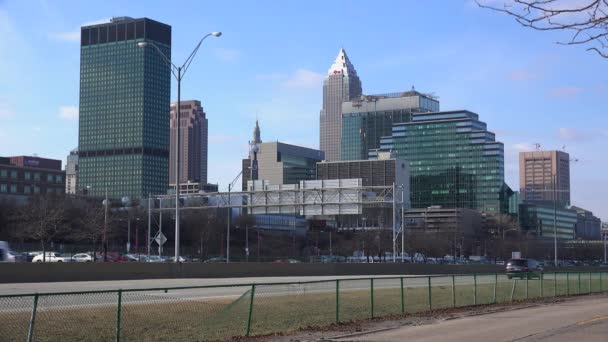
x=555 y=218
x=394 y=220
x=105 y=227
x=149 y=223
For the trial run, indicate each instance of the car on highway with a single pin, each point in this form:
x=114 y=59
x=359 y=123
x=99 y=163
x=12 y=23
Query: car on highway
x=288 y=261
x=154 y=258
x=82 y=257
x=181 y=259
x=217 y=259
x=51 y=257
x=5 y=253
x=523 y=268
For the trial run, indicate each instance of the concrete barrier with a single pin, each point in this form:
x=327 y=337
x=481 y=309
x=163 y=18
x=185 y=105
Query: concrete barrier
x=50 y=272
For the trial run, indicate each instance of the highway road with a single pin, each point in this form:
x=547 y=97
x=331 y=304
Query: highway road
x=574 y=320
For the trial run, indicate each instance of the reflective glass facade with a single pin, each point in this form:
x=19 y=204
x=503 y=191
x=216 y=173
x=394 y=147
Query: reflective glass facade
x=544 y=221
x=124 y=108
x=371 y=117
x=454 y=161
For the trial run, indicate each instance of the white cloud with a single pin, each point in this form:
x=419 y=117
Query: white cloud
x=304 y=79
x=565 y=92
x=68 y=113
x=74 y=35
x=521 y=147
x=227 y=55
x=572 y=134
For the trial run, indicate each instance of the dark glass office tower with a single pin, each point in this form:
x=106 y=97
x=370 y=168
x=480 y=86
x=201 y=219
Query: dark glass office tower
x=455 y=162
x=125 y=93
x=341 y=84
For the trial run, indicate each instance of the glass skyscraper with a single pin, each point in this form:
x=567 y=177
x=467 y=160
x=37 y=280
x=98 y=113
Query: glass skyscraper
x=367 y=119
x=455 y=162
x=341 y=84
x=123 y=139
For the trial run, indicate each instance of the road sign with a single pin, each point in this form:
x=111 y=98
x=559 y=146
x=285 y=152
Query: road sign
x=160 y=238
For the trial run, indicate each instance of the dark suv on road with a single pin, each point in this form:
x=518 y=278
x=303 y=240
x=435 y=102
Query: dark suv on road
x=521 y=268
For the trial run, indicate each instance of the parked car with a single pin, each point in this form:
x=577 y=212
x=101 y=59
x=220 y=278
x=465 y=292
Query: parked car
x=51 y=257
x=154 y=258
x=181 y=259
x=5 y=253
x=523 y=268
x=82 y=257
x=30 y=256
x=288 y=261
x=218 y=259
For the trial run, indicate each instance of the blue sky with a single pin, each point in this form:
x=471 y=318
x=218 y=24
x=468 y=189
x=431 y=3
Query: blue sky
x=272 y=57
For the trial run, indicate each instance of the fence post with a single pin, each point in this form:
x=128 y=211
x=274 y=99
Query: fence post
x=402 y=297
x=554 y=284
x=578 y=290
x=453 y=291
x=474 y=289
x=527 y=278
x=568 y=283
x=495 y=286
x=30 y=333
x=371 y=297
x=337 y=300
x=430 y=299
x=542 y=292
x=589 y=282
x=250 y=309
x=118 y=315
x=601 y=285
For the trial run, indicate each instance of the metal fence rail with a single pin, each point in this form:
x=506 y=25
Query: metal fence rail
x=223 y=311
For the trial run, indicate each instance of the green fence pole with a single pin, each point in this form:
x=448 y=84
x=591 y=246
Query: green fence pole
x=568 y=283
x=453 y=291
x=118 y=314
x=495 y=286
x=430 y=298
x=30 y=333
x=542 y=293
x=578 y=290
x=371 y=297
x=527 y=277
x=402 y=297
x=250 y=310
x=554 y=284
x=337 y=301
x=601 y=285
x=474 y=289
x=589 y=282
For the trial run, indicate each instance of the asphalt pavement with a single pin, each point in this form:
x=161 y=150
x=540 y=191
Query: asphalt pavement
x=583 y=319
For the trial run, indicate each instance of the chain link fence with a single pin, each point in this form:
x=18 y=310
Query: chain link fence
x=226 y=311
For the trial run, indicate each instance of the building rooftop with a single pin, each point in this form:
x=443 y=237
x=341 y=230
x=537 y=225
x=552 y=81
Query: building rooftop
x=342 y=66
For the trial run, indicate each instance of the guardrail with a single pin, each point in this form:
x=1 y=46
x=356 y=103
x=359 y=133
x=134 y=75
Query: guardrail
x=223 y=311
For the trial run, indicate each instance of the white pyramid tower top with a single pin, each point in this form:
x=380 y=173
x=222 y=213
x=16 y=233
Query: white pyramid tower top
x=342 y=65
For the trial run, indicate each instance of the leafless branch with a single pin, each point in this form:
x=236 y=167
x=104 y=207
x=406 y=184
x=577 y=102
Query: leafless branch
x=587 y=20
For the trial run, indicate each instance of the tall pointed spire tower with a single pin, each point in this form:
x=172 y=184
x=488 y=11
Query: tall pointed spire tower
x=341 y=84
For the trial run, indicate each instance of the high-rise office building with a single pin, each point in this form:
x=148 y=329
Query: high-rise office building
x=368 y=118
x=125 y=93
x=455 y=162
x=341 y=84
x=541 y=172
x=71 y=173
x=193 y=144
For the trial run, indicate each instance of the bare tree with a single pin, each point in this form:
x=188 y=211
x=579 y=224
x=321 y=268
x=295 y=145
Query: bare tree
x=91 y=225
x=42 y=219
x=586 y=20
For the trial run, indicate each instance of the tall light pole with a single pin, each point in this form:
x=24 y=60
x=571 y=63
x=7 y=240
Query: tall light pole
x=178 y=72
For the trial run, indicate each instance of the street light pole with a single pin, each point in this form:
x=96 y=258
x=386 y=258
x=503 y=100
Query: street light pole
x=555 y=218
x=105 y=227
x=178 y=73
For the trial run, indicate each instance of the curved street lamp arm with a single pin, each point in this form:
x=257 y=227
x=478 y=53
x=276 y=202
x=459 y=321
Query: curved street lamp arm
x=167 y=60
x=186 y=64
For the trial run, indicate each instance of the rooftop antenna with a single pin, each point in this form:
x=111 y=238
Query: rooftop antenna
x=537 y=146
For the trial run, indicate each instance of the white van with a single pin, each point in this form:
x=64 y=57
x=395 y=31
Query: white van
x=5 y=253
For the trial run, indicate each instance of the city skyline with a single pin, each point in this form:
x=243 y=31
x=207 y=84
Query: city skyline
x=527 y=89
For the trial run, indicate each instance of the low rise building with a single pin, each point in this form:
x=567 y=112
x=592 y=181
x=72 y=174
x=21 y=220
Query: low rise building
x=545 y=221
x=588 y=226
x=460 y=221
x=28 y=176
